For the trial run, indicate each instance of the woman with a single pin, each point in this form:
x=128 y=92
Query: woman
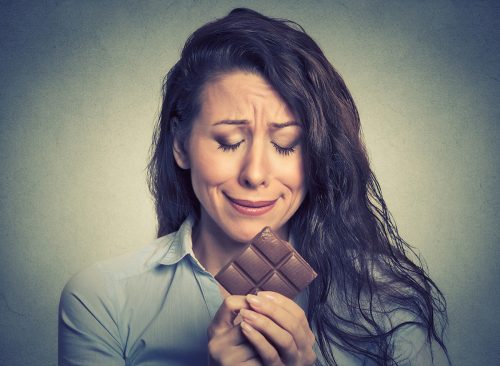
x=257 y=129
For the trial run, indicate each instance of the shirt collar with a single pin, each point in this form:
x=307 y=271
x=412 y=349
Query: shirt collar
x=182 y=243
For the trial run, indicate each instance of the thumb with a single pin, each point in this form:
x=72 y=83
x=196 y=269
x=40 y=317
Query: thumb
x=223 y=319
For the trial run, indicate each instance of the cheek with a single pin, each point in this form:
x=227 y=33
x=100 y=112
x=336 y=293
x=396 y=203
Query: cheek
x=208 y=169
x=293 y=175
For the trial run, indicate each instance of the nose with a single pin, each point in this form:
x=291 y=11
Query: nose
x=255 y=169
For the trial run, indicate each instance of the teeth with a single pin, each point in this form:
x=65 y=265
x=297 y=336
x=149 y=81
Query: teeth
x=253 y=206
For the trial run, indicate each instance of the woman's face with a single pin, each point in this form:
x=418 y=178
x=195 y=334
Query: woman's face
x=245 y=157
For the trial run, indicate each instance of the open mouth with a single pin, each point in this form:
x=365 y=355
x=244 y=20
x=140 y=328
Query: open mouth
x=251 y=208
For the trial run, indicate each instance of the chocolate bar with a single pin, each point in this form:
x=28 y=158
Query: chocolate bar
x=267 y=263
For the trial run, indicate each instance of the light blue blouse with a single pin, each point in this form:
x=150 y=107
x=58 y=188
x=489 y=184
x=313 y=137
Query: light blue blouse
x=153 y=306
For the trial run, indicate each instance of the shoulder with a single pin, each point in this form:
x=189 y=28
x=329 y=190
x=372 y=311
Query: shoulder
x=137 y=261
x=93 y=322
x=100 y=282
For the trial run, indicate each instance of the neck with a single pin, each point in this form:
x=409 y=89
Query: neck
x=212 y=246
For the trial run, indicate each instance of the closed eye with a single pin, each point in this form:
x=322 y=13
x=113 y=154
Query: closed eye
x=280 y=149
x=284 y=150
x=229 y=147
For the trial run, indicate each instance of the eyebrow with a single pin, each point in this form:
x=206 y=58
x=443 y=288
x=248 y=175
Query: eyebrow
x=240 y=122
x=232 y=122
x=285 y=124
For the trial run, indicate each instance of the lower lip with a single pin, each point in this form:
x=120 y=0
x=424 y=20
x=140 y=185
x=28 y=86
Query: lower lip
x=252 y=211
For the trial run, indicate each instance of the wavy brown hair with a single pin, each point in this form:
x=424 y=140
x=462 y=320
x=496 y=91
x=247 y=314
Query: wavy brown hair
x=368 y=273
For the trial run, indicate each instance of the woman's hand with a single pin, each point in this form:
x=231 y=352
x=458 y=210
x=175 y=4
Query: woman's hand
x=226 y=343
x=278 y=329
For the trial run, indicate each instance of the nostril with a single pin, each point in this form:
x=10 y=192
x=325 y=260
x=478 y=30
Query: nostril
x=253 y=181
x=247 y=183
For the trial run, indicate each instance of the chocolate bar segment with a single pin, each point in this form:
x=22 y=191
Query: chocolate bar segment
x=279 y=284
x=235 y=281
x=266 y=263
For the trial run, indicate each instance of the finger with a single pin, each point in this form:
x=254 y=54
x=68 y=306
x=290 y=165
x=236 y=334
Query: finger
x=287 y=303
x=231 y=337
x=284 y=301
x=276 y=335
x=222 y=346
x=284 y=318
x=226 y=314
x=292 y=307
x=266 y=351
x=240 y=354
x=252 y=362
x=237 y=355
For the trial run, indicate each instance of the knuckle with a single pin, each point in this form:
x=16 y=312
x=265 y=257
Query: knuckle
x=295 y=328
x=254 y=362
x=310 y=358
x=212 y=347
x=271 y=307
x=263 y=321
x=288 y=342
x=312 y=338
x=273 y=359
x=228 y=301
x=226 y=360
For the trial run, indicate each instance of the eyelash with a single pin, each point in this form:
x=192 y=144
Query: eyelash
x=232 y=147
x=281 y=150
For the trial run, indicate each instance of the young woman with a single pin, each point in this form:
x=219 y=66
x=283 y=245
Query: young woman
x=257 y=129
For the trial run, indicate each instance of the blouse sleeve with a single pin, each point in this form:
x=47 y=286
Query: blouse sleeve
x=88 y=330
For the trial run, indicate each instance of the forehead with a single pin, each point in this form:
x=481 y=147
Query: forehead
x=243 y=95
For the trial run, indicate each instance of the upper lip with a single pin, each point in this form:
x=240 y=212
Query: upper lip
x=254 y=204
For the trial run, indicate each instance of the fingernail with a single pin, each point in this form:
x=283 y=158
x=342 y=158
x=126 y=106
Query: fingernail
x=254 y=300
x=246 y=327
x=248 y=314
x=237 y=320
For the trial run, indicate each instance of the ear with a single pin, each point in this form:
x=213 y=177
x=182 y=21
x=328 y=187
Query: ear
x=180 y=155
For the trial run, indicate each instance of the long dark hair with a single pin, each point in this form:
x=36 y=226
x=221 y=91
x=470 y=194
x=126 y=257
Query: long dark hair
x=343 y=228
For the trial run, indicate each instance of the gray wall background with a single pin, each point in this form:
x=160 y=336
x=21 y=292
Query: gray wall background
x=80 y=91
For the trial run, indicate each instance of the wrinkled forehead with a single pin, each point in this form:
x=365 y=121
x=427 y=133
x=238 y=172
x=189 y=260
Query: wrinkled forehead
x=242 y=95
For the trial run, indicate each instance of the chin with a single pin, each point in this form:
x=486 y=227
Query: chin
x=245 y=233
